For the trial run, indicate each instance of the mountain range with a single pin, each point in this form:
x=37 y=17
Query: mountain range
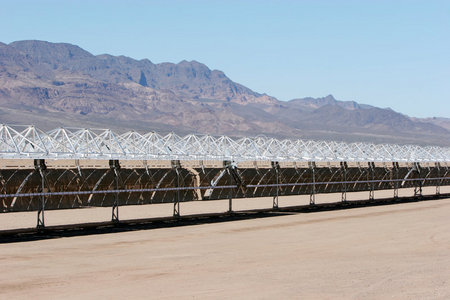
x=59 y=84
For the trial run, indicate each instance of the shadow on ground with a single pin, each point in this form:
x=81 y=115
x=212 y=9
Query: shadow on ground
x=51 y=232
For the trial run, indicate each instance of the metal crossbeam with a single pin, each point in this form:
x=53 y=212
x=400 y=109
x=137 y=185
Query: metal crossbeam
x=20 y=141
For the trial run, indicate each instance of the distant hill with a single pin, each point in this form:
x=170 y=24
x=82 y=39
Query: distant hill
x=310 y=104
x=442 y=122
x=57 y=84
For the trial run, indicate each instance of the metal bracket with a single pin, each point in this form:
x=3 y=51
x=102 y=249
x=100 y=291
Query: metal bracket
x=147 y=171
x=203 y=167
x=77 y=163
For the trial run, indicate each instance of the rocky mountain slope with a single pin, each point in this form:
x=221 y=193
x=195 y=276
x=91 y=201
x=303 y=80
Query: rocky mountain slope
x=442 y=122
x=50 y=85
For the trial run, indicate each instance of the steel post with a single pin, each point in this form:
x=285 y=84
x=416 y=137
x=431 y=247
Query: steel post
x=115 y=166
x=396 y=177
x=372 y=183
x=438 y=184
x=235 y=178
x=41 y=210
x=230 y=194
x=344 y=181
x=312 y=195
x=176 y=201
x=40 y=166
x=417 y=187
x=276 y=167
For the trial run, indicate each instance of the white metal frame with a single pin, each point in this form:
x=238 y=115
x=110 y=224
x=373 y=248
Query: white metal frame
x=21 y=141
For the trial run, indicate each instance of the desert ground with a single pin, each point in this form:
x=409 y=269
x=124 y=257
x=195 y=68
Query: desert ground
x=396 y=251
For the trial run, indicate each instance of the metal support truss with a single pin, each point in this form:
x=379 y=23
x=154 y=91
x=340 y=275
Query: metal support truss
x=343 y=171
x=276 y=168
x=115 y=166
x=81 y=143
x=312 y=195
x=40 y=167
x=372 y=183
x=177 y=197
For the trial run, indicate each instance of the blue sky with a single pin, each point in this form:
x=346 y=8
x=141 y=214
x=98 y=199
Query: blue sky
x=385 y=53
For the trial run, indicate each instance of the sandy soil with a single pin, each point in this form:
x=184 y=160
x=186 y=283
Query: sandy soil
x=397 y=251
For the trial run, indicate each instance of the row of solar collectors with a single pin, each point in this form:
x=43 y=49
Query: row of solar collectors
x=249 y=179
